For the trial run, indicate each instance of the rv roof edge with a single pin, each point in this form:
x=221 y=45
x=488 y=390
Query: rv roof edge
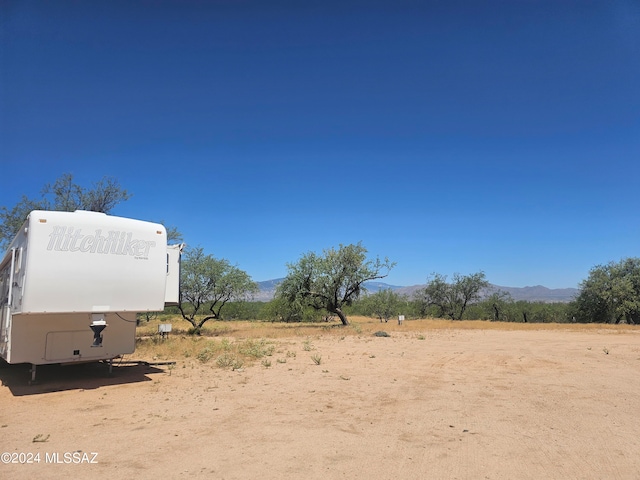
x=90 y=212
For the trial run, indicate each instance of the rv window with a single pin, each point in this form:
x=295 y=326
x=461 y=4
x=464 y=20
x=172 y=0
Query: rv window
x=18 y=261
x=4 y=285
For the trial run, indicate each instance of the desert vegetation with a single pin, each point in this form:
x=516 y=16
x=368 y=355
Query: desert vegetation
x=235 y=344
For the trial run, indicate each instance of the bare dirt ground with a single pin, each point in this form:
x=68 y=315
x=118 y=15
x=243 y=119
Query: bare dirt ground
x=446 y=403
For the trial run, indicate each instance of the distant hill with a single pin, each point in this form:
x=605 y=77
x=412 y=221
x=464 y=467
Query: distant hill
x=267 y=290
x=537 y=293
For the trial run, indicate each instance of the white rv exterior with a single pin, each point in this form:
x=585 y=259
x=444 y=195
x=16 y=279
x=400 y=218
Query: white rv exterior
x=67 y=271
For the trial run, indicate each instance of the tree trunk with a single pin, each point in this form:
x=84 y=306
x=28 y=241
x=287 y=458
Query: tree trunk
x=198 y=327
x=342 y=316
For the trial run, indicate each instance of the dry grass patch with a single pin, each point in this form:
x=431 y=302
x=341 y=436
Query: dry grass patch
x=359 y=326
x=225 y=352
x=232 y=344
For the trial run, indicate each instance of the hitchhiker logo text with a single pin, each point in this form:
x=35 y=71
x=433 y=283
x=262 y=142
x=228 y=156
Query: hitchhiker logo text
x=114 y=242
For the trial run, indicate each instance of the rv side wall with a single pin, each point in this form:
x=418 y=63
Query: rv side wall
x=66 y=338
x=92 y=262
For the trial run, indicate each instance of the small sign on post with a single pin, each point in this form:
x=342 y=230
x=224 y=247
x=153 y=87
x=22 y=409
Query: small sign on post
x=164 y=329
x=400 y=319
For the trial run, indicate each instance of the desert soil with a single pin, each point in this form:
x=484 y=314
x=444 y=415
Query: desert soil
x=444 y=404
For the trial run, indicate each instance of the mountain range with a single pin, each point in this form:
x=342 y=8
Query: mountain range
x=537 y=293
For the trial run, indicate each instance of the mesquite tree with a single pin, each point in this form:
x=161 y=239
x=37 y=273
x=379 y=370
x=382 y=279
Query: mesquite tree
x=382 y=305
x=62 y=195
x=451 y=299
x=332 y=280
x=611 y=294
x=207 y=284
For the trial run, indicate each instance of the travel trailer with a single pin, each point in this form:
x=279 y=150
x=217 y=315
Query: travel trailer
x=71 y=284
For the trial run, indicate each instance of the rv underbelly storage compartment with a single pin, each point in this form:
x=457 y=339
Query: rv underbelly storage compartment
x=71 y=284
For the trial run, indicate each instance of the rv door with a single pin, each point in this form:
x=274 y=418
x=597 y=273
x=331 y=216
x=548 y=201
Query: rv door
x=172 y=287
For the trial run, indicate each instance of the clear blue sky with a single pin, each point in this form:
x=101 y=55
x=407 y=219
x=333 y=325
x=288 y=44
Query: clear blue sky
x=449 y=136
